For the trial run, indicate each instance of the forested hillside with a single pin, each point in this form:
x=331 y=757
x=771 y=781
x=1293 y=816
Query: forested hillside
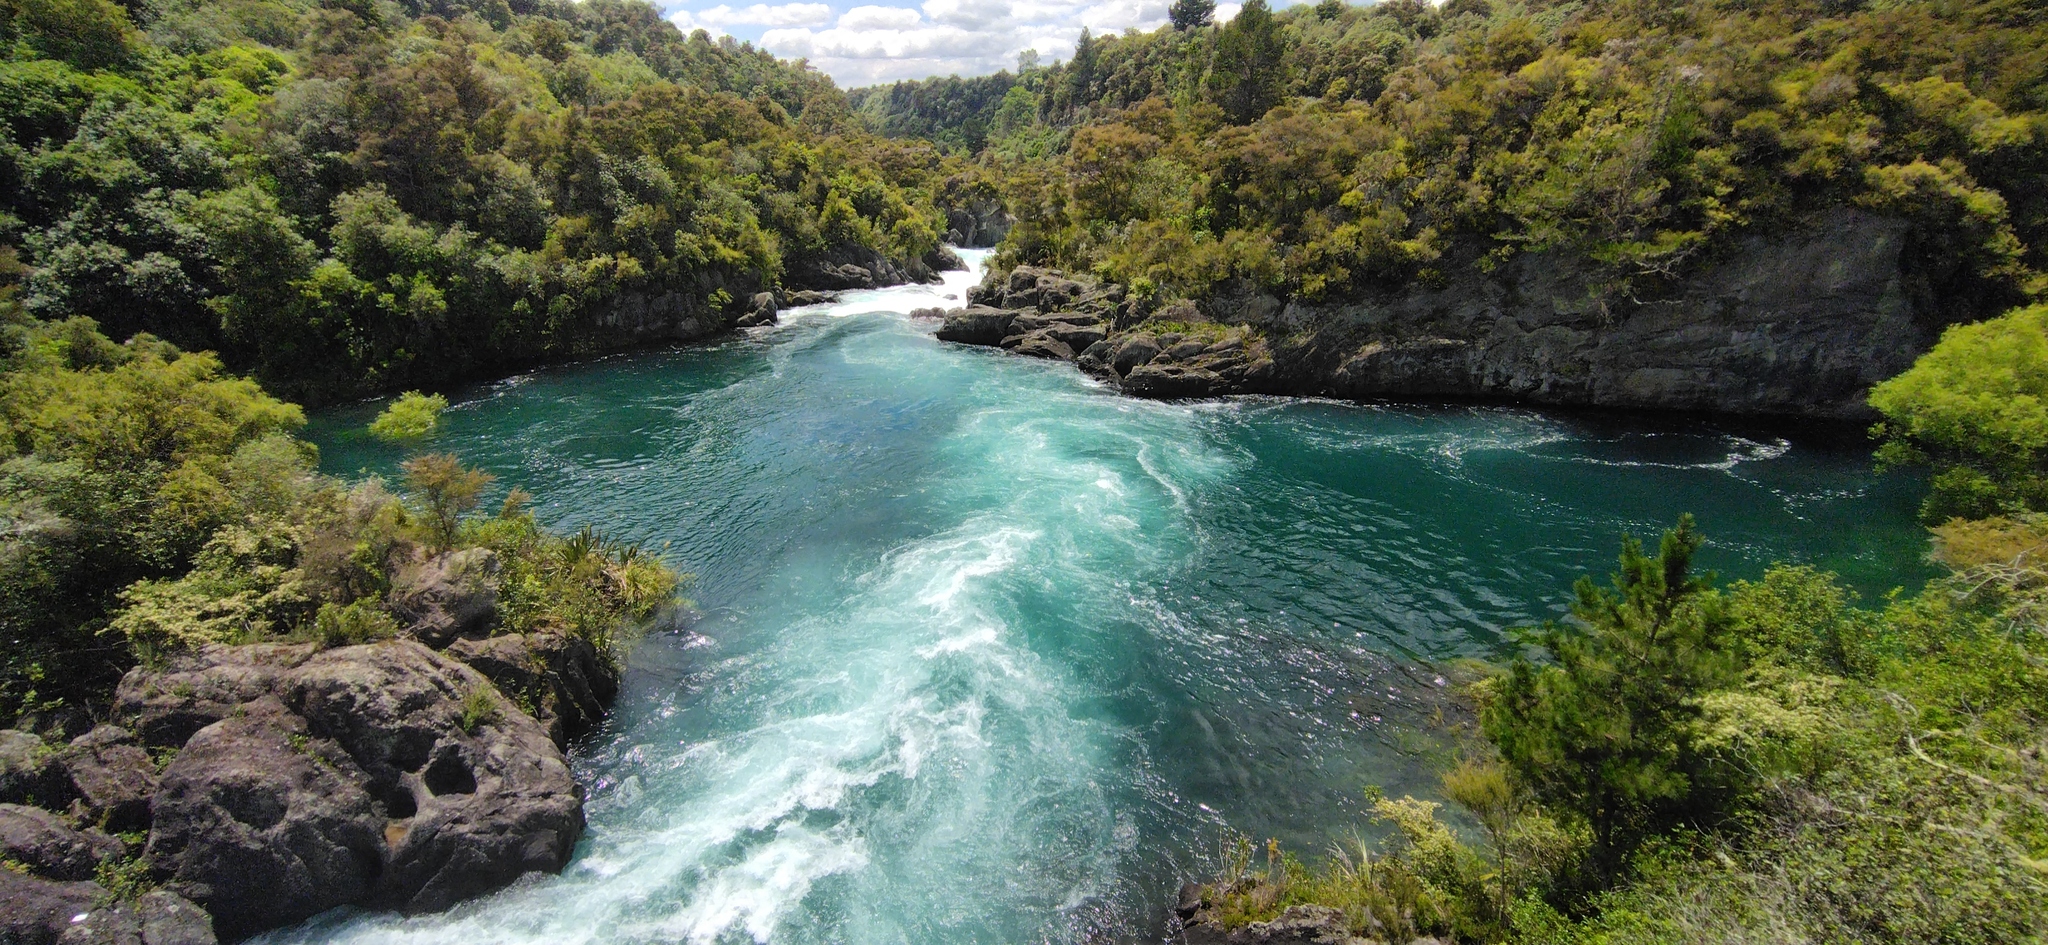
x=345 y=197
x=1328 y=153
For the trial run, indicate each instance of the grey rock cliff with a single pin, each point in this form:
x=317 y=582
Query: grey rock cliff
x=1797 y=322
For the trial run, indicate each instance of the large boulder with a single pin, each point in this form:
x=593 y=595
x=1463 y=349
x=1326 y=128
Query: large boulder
x=760 y=311
x=113 y=778
x=50 y=846
x=452 y=594
x=1132 y=351
x=385 y=775
x=31 y=771
x=264 y=824
x=977 y=325
x=167 y=705
x=491 y=796
x=560 y=679
x=1039 y=344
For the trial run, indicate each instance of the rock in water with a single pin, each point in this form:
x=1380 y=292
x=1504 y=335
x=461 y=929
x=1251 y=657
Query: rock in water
x=760 y=311
x=559 y=678
x=385 y=775
x=977 y=325
x=492 y=796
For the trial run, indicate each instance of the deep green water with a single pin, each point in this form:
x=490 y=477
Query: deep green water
x=990 y=654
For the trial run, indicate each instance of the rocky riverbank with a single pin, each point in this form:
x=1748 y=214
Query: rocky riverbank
x=1201 y=924
x=1800 y=323
x=252 y=787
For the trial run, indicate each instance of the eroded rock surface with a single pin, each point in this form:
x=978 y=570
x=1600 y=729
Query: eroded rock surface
x=560 y=679
x=112 y=777
x=1799 y=322
x=386 y=775
x=51 y=846
x=263 y=824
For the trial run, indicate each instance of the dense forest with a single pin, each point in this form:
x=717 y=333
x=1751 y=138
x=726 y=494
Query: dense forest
x=353 y=197
x=208 y=210
x=1328 y=152
x=1770 y=760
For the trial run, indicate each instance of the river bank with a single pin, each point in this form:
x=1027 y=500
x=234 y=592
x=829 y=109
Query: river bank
x=989 y=651
x=1798 y=324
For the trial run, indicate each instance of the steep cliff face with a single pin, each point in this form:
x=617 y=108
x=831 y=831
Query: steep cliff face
x=1798 y=322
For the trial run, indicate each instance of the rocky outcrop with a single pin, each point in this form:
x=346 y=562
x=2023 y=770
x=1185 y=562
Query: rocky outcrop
x=112 y=777
x=791 y=298
x=384 y=775
x=450 y=595
x=38 y=911
x=31 y=772
x=50 y=846
x=1298 y=925
x=1036 y=312
x=561 y=680
x=978 y=223
x=1798 y=322
x=860 y=267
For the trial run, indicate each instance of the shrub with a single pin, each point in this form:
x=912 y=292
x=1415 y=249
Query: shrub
x=1975 y=408
x=1605 y=728
x=479 y=708
x=412 y=417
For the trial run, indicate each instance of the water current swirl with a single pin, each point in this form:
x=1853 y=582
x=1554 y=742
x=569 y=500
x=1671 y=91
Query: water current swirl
x=988 y=653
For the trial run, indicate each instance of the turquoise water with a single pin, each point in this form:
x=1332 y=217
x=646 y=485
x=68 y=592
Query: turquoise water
x=987 y=653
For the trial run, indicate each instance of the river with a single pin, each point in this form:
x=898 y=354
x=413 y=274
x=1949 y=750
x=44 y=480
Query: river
x=986 y=652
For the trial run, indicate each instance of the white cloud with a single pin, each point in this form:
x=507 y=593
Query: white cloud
x=886 y=40
x=718 y=18
x=872 y=19
x=1127 y=14
x=688 y=23
x=967 y=14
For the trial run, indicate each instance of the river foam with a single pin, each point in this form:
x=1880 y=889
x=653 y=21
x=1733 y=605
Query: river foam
x=991 y=654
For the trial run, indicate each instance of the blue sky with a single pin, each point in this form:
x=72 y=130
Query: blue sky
x=864 y=43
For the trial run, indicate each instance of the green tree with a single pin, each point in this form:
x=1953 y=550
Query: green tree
x=1191 y=14
x=1975 y=409
x=412 y=417
x=1604 y=727
x=1249 y=74
x=445 y=490
x=89 y=34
